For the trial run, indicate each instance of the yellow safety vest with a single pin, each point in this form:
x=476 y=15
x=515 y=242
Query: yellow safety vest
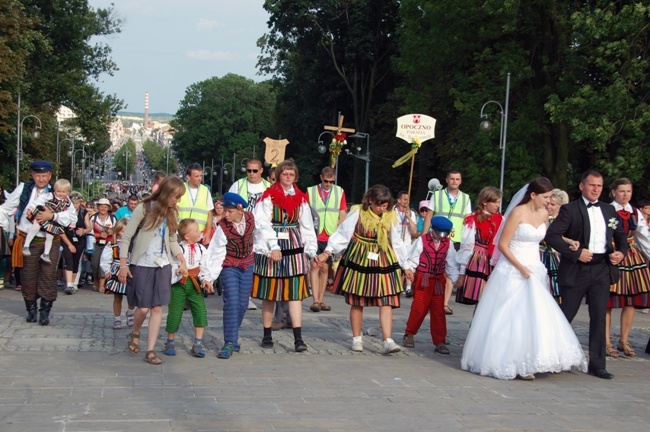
x=328 y=212
x=455 y=213
x=197 y=210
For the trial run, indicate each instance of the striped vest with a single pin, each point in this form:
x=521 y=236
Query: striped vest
x=239 y=247
x=456 y=213
x=328 y=213
x=197 y=210
x=432 y=260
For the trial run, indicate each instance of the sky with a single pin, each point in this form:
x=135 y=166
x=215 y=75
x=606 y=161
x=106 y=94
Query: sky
x=167 y=45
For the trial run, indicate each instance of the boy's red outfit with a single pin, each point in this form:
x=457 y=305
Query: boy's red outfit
x=430 y=259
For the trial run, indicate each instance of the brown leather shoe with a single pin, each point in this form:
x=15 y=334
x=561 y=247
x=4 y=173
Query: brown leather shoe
x=409 y=341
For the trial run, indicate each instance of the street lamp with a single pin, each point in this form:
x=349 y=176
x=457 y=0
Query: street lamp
x=486 y=125
x=365 y=157
x=19 y=144
x=71 y=140
x=72 y=153
x=224 y=171
x=243 y=164
x=322 y=149
x=92 y=166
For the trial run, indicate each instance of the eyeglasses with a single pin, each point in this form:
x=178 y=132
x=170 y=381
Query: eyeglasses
x=328 y=181
x=252 y=171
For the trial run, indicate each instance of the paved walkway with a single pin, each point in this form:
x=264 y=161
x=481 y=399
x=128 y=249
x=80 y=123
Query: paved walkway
x=75 y=375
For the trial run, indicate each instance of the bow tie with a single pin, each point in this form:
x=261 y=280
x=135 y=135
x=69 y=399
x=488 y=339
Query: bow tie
x=594 y=204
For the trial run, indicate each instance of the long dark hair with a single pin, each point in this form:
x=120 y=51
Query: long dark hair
x=538 y=186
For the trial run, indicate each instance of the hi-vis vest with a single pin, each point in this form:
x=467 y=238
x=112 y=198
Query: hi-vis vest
x=197 y=210
x=456 y=213
x=327 y=212
x=242 y=190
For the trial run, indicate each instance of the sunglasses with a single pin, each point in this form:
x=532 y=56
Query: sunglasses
x=328 y=181
x=252 y=171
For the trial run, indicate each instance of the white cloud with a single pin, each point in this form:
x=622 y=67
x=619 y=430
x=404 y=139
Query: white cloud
x=204 y=54
x=205 y=24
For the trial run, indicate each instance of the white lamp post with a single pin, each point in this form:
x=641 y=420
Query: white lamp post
x=19 y=144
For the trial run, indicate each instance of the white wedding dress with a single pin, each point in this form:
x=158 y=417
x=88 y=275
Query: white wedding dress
x=518 y=328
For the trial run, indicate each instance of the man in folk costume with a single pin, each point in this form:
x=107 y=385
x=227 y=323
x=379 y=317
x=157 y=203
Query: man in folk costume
x=453 y=204
x=432 y=257
x=38 y=277
x=230 y=255
x=328 y=200
x=196 y=202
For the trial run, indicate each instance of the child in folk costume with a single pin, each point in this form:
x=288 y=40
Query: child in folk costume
x=188 y=289
x=109 y=263
x=230 y=257
x=477 y=246
x=432 y=255
x=369 y=271
x=58 y=202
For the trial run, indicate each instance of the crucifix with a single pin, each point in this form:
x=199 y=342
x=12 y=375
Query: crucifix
x=338 y=141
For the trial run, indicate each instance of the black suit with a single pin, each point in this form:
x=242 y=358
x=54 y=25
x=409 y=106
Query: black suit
x=577 y=279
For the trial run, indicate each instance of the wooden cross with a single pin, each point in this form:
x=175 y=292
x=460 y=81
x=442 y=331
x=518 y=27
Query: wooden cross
x=340 y=127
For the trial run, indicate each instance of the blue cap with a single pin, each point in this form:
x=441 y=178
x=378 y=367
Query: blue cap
x=231 y=199
x=41 y=166
x=441 y=224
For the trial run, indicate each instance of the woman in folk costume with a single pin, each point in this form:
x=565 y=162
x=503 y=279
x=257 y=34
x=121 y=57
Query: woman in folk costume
x=369 y=272
x=632 y=289
x=477 y=246
x=230 y=258
x=285 y=241
x=550 y=257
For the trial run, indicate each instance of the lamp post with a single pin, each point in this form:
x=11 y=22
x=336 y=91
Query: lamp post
x=211 y=169
x=71 y=140
x=365 y=157
x=72 y=153
x=19 y=144
x=92 y=166
x=126 y=164
x=322 y=149
x=168 y=147
x=486 y=125
x=224 y=171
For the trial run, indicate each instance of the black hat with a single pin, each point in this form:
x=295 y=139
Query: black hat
x=41 y=166
x=231 y=199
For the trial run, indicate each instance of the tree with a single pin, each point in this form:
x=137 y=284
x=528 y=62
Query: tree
x=221 y=116
x=123 y=163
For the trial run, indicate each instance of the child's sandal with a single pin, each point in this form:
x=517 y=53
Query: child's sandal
x=133 y=346
x=170 y=349
x=152 y=358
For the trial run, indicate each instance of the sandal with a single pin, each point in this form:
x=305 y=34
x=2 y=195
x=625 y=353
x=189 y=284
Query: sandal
x=441 y=348
x=133 y=346
x=152 y=358
x=448 y=311
x=226 y=351
x=315 y=307
x=129 y=318
x=324 y=307
x=170 y=349
x=626 y=349
x=610 y=351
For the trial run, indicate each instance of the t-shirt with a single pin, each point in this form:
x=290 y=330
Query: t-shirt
x=123 y=212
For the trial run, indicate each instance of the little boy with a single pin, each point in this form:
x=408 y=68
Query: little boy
x=57 y=202
x=188 y=289
x=431 y=255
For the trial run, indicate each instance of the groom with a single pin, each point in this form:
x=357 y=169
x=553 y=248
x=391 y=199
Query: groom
x=593 y=267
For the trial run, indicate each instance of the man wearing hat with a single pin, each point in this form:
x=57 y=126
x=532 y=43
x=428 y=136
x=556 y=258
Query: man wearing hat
x=38 y=277
x=431 y=257
x=230 y=255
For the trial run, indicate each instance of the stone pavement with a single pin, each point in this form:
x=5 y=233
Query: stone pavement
x=75 y=375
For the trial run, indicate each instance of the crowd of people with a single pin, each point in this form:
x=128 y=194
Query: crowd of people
x=526 y=270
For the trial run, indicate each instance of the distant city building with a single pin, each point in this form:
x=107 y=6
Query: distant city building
x=64 y=113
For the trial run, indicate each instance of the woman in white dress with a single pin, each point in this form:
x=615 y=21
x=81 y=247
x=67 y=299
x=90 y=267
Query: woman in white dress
x=518 y=329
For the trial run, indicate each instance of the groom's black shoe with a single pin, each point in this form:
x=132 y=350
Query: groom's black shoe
x=600 y=373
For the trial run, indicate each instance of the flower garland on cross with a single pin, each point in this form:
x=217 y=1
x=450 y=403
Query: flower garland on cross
x=336 y=146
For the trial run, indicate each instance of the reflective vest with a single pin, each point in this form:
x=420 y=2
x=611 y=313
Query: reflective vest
x=242 y=190
x=456 y=213
x=327 y=212
x=198 y=210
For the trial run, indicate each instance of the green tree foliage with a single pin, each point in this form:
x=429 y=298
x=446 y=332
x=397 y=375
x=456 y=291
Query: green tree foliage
x=157 y=156
x=123 y=163
x=579 y=88
x=329 y=57
x=49 y=54
x=222 y=116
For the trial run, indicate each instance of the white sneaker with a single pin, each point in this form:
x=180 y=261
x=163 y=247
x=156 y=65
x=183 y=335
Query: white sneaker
x=46 y=258
x=389 y=346
x=357 y=343
x=26 y=252
x=251 y=305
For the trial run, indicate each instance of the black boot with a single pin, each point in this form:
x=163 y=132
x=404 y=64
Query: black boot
x=31 y=310
x=44 y=312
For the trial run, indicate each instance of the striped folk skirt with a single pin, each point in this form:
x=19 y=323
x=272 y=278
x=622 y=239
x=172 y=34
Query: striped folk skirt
x=551 y=261
x=113 y=284
x=364 y=282
x=633 y=287
x=477 y=272
x=284 y=280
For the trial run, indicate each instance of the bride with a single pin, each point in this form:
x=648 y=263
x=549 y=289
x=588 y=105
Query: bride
x=518 y=329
